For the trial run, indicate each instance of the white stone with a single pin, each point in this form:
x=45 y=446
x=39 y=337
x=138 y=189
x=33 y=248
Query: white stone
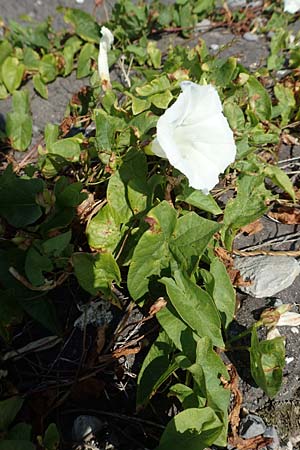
x=268 y=274
x=295 y=330
x=289 y=359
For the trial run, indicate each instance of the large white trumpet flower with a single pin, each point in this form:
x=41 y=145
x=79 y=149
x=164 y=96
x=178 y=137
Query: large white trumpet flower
x=194 y=135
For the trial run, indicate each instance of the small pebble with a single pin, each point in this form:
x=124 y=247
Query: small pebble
x=214 y=47
x=252 y=426
x=295 y=330
x=79 y=1
x=236 y=3
x=251 y=37
x=289 y=359
x=204 y=25
x=85 y=426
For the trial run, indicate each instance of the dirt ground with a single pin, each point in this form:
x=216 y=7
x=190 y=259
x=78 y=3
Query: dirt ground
x=252 y=54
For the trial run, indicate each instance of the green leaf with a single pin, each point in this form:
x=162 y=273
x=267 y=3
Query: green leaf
x=67 y=148
x=217 y=396
x=19 y=130
x=139 y=105
x=35 y=264
x=178 y=331
x=186 y=396
x=259 y=100
x=103 y=231
x=57 y=244
x=40 y=86
x=156 y=368
x=87 y=53
x=17 y=199
x=96 y=272
x=21 y=102
x=235 y=116
x=12 y=72
x=8 y=410
x=152 y=253
x=267 y=360
x=51 y=437
x=195 y=307
x=85 y=25
x=31 y=59
x=106 y=129
x=67 y=194
x=162 y=99
x=191 y=429
x=71 y=47
x=196 y=198
x=280 y=178
x=191 y=237
x=48 y=68
x=225 y=73
x=156 y=86
x=223 y=292
x=6 y=50
x=248 y=206
x=154 y=53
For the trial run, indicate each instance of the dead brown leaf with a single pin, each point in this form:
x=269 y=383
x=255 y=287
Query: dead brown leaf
x=125 y=352
x=289 y=215
x=157 y=306
x=234 y=274
x=252 y=228
x=234 y=417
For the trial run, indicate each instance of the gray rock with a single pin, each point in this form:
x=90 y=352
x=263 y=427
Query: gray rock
x=251 y=37
x=268 y=274
x=84 y=427
x=235 y=4
x=271 y=432
x=252 y=426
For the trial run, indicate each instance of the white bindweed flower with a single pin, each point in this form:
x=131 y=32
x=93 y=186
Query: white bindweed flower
x=279 y=317
x=106 y=42
x=291 y=6
x=194 y=135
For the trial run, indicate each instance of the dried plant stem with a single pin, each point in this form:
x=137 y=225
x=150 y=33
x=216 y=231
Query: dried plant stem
x=294 y=253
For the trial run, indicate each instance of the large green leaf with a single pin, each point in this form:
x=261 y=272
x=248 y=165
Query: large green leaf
x=267 y=359
x=194 y=306
x=192 y=429
x=96 y=272
x=152 y=254
x=85 y=25
x=18 y=199
x=190 y=239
